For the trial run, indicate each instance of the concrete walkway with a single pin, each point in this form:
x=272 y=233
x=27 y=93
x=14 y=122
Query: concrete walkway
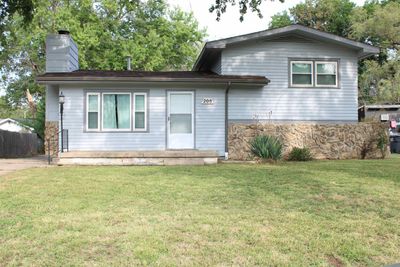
x=11 y=165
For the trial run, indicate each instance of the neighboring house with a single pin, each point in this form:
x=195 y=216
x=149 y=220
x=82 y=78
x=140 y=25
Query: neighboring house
x=290 y=74
x=379 y=113
x=14 y=126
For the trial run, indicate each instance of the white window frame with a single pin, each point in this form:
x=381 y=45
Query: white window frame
x=336 y=74
x=98 y=112
x=130 y=112
x=134 y=112
x=310 y=62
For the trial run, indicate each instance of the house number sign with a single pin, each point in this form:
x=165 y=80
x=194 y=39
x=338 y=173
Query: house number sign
x=207 y=101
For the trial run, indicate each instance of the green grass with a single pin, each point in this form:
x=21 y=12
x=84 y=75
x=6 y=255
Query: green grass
x=321 y=213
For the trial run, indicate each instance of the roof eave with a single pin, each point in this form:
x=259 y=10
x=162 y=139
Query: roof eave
x=61 y=80
x=367 y=50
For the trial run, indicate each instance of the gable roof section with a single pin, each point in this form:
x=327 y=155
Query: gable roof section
x=147 y=76
x=213 y=48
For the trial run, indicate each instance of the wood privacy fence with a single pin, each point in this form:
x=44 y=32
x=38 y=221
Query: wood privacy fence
x=18 y=145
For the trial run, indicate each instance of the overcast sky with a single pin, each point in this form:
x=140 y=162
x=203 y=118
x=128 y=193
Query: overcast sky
x=229 y=25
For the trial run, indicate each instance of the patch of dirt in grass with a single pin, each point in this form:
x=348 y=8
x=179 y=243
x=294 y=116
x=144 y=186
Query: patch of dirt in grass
x=335 y=261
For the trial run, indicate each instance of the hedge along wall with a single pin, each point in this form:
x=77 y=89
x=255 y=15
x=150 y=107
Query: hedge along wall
x=326 y=141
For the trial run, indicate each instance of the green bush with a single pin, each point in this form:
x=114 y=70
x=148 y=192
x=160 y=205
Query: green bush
x=266 y=147
x=300 y=154
x=382 y=143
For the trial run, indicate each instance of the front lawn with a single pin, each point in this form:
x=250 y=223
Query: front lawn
x=325 y=213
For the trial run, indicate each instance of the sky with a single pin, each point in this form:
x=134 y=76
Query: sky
x=229 y=25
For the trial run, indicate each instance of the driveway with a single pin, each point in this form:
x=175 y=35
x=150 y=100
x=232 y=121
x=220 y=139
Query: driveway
x=11 y=165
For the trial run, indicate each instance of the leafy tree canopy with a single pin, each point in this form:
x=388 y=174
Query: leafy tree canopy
x=6 y=111
x=280 y=20
x=9 y=7
x=327 y=15
x=106 y=31
x=379 y=24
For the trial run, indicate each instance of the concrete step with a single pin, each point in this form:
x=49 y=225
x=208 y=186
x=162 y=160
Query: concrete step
x=158 y=158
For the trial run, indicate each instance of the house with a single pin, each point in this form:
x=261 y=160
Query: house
x=293 y=74
x=12 y=125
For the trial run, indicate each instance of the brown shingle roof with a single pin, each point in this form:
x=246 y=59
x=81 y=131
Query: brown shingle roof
x=148 y=76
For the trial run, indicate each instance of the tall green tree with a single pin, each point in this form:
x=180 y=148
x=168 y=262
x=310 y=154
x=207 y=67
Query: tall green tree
x=106 y=31
x=379 y=24
x=327 y=15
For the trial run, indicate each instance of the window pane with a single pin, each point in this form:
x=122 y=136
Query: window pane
x=93 y=122
x=139 y=102
x=181 y=103
x=326 y=68
x=139 y=120
x=302 y=79
x=93 y=103
x=181 y=123
x=116 y=112
x=301 y=67
x=326 y=79
x=124 y=113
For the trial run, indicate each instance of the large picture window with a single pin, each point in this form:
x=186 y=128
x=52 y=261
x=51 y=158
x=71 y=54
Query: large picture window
x=120 y=111
x=313 y=73
x=116 y=111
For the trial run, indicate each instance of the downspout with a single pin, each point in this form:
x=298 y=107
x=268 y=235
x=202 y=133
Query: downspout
x=228 y=86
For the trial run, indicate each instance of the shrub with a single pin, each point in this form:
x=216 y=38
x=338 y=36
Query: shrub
x=382 y=144
x=266 y=147
x=300 y=154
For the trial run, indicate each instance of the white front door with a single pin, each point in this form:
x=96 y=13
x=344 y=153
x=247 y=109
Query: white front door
x=180 y=120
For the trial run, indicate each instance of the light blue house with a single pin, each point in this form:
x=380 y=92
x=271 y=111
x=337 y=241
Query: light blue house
x=290 y=74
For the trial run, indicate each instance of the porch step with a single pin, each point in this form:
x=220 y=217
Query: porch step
x=159 y=158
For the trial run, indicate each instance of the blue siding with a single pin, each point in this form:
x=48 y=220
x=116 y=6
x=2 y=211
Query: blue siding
x=209 y=120
x=277 y=101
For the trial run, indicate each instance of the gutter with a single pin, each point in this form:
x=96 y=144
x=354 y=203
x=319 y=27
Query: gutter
x=228 y=87
x=60 y=80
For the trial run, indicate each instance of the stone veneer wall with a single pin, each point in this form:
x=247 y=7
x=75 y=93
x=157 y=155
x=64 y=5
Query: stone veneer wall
x=51 y=130
x=326 y=141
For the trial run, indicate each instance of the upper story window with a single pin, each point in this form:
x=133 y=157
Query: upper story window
x=116 y=111
x=326 y=74
x=302 y=73
x=313 y=73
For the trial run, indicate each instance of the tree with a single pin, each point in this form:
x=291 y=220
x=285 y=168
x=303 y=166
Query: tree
x=9 y=7
x=220 y=6
x=106 y=31
x=379 y=25
x=280 y=20
x=6 y=111
x=327 y=15
x=382 y=27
